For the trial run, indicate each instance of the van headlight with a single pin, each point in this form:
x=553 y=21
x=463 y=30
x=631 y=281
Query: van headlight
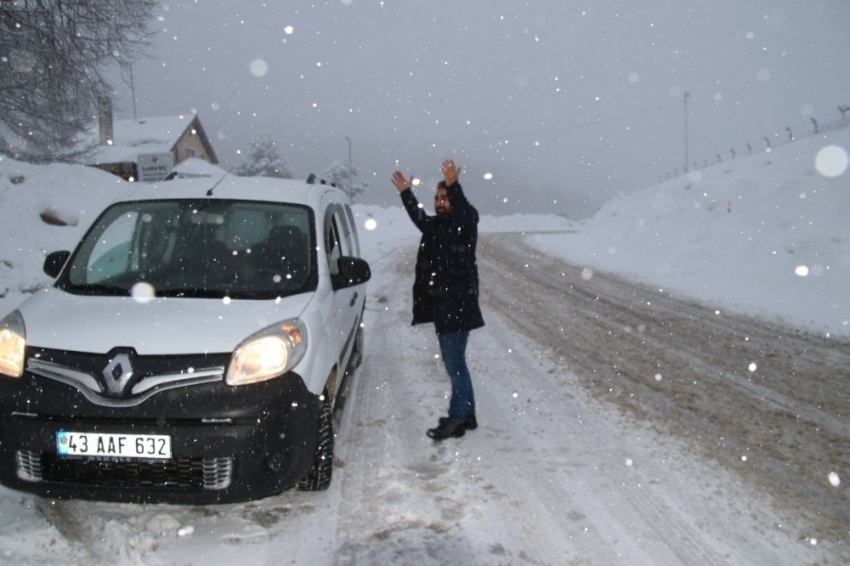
x=13 y=339
x=269 y=353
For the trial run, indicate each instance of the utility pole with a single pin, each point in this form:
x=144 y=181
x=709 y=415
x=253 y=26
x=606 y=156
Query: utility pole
x=685 y=99
x=350 y=174
x=133 y=92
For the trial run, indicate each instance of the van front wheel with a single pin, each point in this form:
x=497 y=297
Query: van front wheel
x=319 y=477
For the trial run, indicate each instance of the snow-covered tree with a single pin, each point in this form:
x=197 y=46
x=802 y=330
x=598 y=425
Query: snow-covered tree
x=53 y=58
x=340 y=175
x=264 y=160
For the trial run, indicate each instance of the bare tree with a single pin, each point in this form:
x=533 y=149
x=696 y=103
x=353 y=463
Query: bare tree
x=53 y=56
x=264 y=160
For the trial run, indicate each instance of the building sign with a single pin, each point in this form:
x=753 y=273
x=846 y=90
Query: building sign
x=154 y=167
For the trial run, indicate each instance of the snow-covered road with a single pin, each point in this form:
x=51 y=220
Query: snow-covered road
x=618 y=425
x=766 y=403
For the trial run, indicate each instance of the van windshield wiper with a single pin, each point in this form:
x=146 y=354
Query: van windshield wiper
x=99 y=289
x=192 y=292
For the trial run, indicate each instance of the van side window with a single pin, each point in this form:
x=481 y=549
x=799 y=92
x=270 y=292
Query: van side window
x=333 y=246
x=352 y=233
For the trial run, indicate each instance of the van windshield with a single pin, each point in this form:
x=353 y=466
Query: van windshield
x=201 y=248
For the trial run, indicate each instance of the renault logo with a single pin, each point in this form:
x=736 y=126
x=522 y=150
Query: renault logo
x=117 y=374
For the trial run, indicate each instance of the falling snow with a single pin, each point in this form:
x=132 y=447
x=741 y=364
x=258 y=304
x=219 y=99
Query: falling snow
x=595 y=466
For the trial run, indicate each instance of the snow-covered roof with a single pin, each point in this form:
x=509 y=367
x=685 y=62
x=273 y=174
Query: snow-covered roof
x=233 y=187
x=148 y=135
x=194 y=167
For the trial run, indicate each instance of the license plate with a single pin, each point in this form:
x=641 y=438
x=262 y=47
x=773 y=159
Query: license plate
x=144 y=446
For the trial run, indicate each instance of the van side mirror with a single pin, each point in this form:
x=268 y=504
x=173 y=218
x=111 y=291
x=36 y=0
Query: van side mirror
x=54 y=262
x=352 y=271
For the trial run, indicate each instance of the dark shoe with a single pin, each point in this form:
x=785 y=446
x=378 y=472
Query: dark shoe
x=469 y=422
x=447 y=429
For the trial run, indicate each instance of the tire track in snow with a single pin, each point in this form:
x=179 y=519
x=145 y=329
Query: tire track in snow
x=781 y=438
x=389 y=460
x=544 y=480
x=597 y=499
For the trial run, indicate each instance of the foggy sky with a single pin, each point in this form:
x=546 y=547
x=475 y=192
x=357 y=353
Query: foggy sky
x=564 y=104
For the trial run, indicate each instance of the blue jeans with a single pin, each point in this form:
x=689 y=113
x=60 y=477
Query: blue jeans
x=453 y=350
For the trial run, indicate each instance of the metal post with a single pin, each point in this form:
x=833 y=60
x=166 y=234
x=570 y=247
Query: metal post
x=133 y=93
x=350 y=174
x=685 y=99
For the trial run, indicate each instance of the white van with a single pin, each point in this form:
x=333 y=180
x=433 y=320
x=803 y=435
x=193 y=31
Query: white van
x=192 y=348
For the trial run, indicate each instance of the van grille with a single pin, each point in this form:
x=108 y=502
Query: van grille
x=177 y=474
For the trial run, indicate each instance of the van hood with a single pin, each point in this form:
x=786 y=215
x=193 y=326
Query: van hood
x=163 y=326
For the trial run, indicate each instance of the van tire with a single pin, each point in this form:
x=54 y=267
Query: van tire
x=319 y=477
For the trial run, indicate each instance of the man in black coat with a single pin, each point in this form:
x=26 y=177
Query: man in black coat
x=445 y=289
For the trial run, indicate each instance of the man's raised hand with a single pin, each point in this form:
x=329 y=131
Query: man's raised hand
x=400 y=182
x=451 y=172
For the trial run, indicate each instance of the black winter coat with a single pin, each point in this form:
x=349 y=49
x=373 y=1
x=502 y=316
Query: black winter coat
x=445 y=289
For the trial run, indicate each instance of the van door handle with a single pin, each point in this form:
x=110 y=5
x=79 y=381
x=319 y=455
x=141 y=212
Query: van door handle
x=353 y=299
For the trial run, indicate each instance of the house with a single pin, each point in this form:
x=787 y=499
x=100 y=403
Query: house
x=124 y=144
